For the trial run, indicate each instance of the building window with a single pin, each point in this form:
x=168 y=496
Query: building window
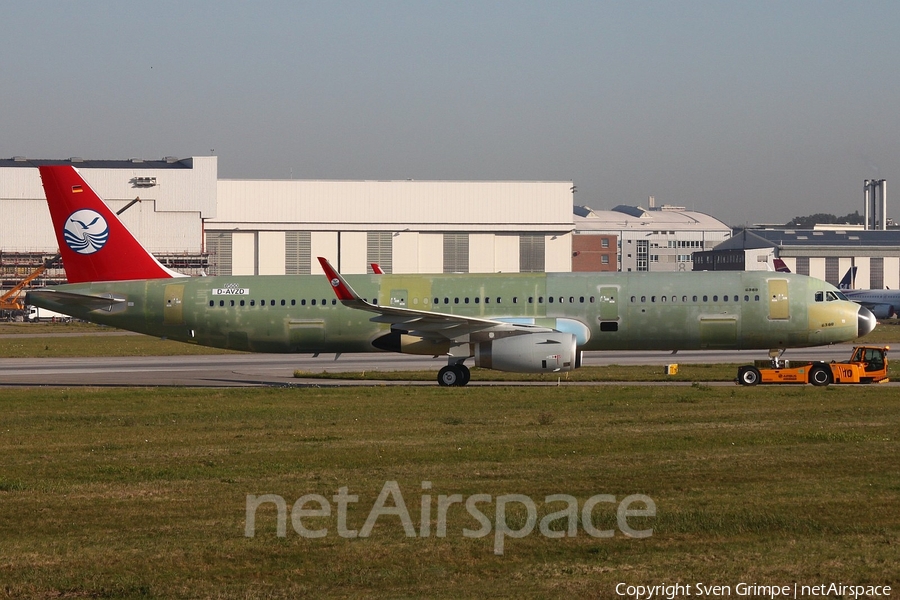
x=531 y=253
x=379 y=249
x=218 y=244
x=642 y=247
x=456 y=253
x=604 y=259
x=297 y=251
x=604 y=243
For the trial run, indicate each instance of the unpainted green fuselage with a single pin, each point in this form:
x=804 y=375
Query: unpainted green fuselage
x=616 y=311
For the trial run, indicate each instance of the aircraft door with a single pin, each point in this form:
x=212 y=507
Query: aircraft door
x=609 y=303
x=779 y=302
x=173 y=312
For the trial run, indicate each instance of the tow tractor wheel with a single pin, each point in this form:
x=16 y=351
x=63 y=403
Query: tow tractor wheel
x=457 y=375
x=749 y=376
x=820 y=375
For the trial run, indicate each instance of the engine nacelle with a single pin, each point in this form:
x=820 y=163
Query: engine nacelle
x=529 y=353
x=883 y=311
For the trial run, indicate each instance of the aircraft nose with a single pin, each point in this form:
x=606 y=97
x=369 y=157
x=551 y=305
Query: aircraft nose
x=865 y=321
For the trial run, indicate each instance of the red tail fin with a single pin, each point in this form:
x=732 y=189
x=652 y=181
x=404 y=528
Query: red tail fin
x=94 y=244
x=780 y=267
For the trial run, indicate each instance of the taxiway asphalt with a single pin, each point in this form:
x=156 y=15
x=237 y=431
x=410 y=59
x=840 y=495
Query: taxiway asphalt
x=231 y=370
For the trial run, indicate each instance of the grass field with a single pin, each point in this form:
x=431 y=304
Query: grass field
x=143 y=492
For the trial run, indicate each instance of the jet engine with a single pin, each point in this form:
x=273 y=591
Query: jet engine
x=883 y=311
x=529 y=353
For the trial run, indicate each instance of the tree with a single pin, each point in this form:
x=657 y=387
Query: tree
x=811 y=221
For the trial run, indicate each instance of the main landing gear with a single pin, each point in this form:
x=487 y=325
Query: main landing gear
x=454 y=374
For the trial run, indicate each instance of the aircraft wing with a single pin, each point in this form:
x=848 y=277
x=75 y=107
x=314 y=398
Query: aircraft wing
x=427 y=324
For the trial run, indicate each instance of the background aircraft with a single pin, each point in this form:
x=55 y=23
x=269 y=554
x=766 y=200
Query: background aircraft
x=884 y=304
x=524 y=322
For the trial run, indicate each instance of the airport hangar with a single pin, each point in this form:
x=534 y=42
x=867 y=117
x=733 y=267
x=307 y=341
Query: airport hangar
x=825 y=252
x=196 y=223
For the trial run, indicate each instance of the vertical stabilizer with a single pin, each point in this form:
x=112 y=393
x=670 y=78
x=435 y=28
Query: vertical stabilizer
x=847 y=282
x=94 y=244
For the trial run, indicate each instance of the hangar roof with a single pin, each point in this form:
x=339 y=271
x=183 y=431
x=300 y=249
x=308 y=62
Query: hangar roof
x=780 y=238
x=636 y=217
x=169 y=162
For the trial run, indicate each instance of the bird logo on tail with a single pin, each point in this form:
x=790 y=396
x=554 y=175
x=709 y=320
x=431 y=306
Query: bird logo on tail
x=86 y=231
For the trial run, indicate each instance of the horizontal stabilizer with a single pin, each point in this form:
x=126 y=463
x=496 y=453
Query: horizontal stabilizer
x=52 y=298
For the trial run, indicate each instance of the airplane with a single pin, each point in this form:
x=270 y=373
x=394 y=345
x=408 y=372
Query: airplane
x=884 y=304
x=522 y=322
x=779 y=266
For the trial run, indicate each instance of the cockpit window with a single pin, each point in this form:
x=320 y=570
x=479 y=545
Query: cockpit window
x=830 y=296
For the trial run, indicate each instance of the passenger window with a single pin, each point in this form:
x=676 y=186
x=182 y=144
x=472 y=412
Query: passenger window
x=456 y=301
x=550 y=299
x=632 y=298
x=530 y=299
x=643 y=299
x=446 y=300
x=705 y=298
x=303 y=302
x=477 y=300
x=334 y=301
x=487 y=300
x=756 y=298
x=515 y=299
x=212 y=302
x=592 y=299
x=273 y=303
x=242 y=302
x=232 y=302
x=572 y=299
x=253 y=303
x=715 y=298
x=466 y=300
x=293 y=302
x=684 y=298
x=540 y=299
x=652 y=298
x=499 y=299
x=663 y=298
x=694 y=299
x=221 y=303
x=746 y=298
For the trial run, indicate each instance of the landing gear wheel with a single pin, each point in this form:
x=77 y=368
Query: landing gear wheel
x=820 y=376
x=449 y=375
x=748 y=376
x=454 y=375
x=464 y=374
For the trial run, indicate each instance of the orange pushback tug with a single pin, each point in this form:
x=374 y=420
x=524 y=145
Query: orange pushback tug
x=868 y=364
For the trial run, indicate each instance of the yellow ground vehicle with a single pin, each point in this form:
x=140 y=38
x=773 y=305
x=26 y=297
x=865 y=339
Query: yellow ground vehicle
x=868 y=364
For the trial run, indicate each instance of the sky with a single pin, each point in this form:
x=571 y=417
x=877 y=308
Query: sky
x=749 y=111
